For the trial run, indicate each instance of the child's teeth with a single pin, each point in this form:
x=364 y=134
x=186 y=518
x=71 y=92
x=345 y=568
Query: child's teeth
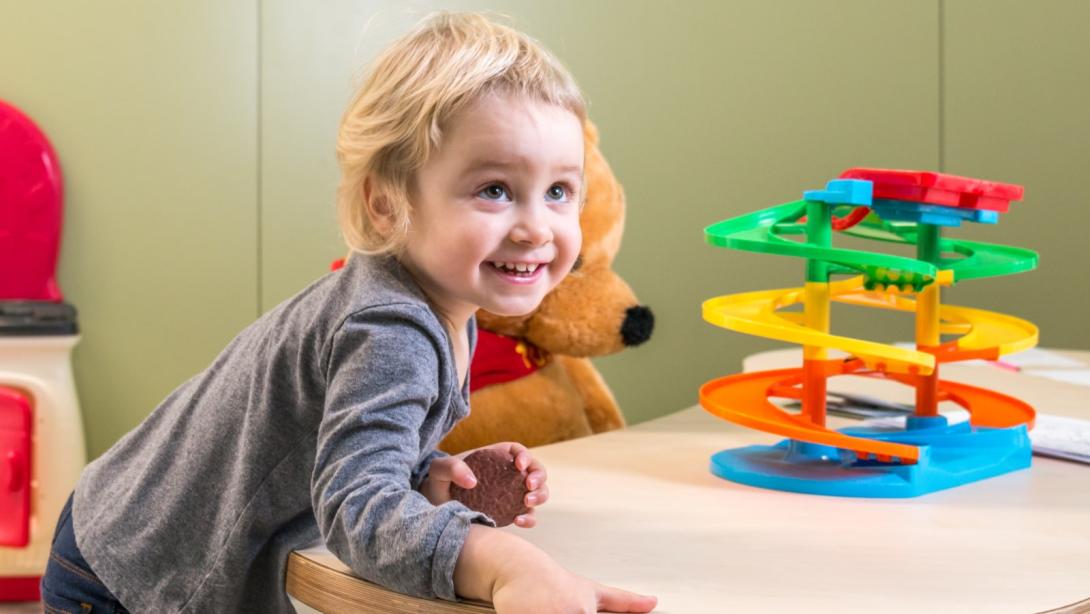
x=516 y=267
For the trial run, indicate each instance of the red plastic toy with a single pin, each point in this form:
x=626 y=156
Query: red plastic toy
x=30 y=210
x=938 y=188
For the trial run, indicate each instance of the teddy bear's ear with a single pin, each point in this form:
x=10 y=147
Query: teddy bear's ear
x=602 y=217
x=590 y=134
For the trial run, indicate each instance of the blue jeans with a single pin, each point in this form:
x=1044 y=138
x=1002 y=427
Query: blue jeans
x=69 y=585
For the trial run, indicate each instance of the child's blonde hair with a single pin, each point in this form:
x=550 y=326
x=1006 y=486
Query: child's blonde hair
x=396 y=118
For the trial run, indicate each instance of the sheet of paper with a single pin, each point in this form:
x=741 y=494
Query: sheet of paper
x=1080 y=377
x=1033 y=358
x=1065 y=437
x=1056 y=436
x=1036 y=358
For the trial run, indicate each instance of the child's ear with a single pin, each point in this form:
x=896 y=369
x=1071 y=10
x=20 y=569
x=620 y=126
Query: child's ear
x=378 y=206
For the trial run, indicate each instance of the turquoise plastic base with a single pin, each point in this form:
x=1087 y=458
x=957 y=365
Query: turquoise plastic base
x=950 y=455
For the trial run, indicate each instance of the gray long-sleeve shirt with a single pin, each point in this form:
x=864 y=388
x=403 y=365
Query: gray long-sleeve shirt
x=319 y=420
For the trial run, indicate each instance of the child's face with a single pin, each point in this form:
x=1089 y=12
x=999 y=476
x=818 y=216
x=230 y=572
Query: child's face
x=495 y=213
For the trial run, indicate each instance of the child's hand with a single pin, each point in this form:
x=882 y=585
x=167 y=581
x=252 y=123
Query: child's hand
x=517 y=576
x=452 y=469
x=558 y=590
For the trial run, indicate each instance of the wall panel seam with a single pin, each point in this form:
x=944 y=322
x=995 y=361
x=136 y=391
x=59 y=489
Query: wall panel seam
x=259 y=262
x=942 y=85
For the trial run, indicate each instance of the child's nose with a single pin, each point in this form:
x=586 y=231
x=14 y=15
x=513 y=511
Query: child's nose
x=532 y=227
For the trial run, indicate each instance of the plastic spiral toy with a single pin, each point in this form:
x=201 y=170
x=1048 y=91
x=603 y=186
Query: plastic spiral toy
x=928 y=454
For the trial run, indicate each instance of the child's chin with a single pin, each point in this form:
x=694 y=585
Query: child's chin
x=511 y=310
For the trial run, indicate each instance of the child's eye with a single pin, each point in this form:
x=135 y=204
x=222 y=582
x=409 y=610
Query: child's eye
x=557 y=192
x=494 y=192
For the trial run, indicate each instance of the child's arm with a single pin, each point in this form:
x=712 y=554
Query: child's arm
x=382 y=381
x=516 y=576
x=512 y=573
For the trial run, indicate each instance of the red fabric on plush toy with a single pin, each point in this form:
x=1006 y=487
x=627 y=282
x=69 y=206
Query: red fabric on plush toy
x=499 y=359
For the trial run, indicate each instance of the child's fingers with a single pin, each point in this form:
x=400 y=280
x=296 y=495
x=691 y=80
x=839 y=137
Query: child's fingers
x=514 y=448
x=535 y=498
x=453 y=470
x=534 y=465
x=523 y=459
x=536 y=479
x=612 y=599
x=526 y=520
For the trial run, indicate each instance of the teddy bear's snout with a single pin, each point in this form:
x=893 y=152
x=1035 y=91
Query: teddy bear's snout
x=637 y=326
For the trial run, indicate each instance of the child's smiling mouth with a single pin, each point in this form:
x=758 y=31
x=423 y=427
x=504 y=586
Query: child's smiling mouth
x=518 y=272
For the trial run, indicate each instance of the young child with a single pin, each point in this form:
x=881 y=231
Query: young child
x=462 y=162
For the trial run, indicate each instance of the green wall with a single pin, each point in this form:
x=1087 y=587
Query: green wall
x=152 y=110
x=197 y=144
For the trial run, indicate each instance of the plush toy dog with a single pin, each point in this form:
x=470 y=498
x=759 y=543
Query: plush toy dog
x=530 y=378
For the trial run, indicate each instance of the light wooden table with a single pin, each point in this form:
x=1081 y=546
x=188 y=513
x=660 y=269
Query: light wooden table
x=638 y=508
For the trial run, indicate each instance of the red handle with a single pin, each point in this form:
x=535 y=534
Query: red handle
x=15 y=471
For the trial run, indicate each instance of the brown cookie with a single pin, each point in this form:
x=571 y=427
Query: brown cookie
x=501 y=490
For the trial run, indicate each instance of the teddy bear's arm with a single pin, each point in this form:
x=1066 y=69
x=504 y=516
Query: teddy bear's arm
x=603 y=414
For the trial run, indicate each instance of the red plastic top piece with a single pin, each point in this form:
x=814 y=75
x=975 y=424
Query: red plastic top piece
x=31 y=196
x=938 y=188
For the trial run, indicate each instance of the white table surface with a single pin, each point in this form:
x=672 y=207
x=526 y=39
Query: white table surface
x=638 y=508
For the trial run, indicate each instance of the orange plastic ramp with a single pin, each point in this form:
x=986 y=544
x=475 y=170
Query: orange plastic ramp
x=988 y=407
x=743 y=399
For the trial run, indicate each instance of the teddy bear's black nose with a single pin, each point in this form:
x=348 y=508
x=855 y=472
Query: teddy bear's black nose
x=637 y=326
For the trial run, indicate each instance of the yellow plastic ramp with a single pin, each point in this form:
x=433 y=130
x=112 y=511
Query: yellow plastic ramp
x=755 y=313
